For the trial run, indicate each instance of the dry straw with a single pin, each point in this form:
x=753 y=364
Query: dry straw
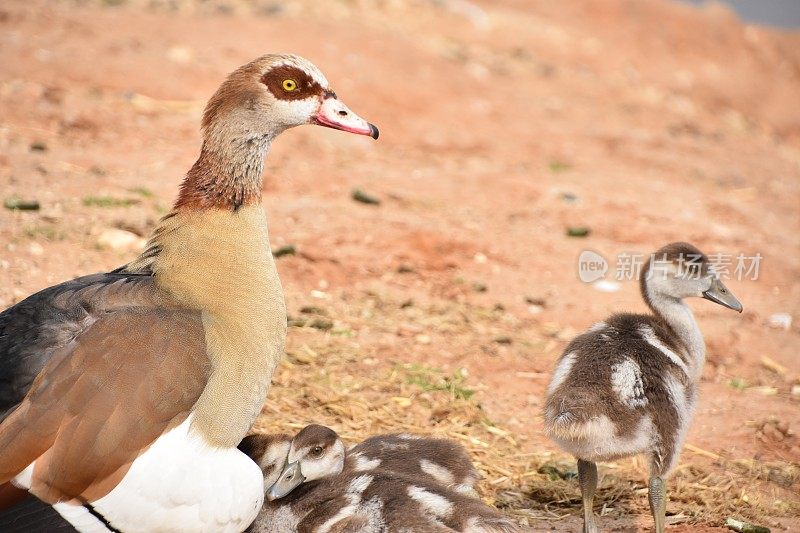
x=332 y=376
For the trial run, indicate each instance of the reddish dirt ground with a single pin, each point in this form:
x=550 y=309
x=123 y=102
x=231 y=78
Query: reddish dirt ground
x=502 y=124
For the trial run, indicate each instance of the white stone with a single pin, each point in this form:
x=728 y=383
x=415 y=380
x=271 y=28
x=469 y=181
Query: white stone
x=606 y=286
x=180 y=54
x=121 y=240
x=780 y=321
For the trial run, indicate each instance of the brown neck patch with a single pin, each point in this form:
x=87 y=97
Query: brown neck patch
x=215 y=181
x=304 y=86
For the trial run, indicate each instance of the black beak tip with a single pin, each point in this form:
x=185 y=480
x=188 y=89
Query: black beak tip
x=373 y=131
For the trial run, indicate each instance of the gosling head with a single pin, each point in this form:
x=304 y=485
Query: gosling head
x=316 y=452
x=679 y=270
x=269 y=451
x=271 y=94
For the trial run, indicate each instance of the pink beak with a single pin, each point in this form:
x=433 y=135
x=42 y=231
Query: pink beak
x=334 y=114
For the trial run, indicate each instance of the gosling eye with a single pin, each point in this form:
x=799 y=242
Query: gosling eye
x=289 y=85
x=316 y=451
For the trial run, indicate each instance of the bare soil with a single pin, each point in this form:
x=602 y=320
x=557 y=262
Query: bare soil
x=502 y=124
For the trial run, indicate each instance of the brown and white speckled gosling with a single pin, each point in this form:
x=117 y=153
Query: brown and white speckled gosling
x=629 y=384
x=123 y=395
x=439 y=461
x=442 y=460
x=318 y=492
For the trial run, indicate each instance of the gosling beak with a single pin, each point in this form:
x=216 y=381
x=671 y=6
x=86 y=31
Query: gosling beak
x=334 y=114
x=719 y=294
x=289 y=479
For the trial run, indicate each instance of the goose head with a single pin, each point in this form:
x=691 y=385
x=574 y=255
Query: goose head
x=315 y=453
x=271 y=94
x=269 y=451
x=679 y=270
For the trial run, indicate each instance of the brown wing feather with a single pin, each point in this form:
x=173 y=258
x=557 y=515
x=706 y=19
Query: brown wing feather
x=103 y=398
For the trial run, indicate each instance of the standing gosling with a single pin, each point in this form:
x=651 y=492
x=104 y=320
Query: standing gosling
x=629 y=385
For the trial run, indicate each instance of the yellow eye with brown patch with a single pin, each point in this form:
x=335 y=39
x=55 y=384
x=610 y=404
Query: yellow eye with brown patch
x=289 y=85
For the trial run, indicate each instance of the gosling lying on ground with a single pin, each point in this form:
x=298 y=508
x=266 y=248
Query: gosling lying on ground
x=443 y=460
x=629 y=385
x=315 y=490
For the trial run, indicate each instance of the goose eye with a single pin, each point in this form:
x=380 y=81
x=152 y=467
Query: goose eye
x=289 y=85
x=316 y=450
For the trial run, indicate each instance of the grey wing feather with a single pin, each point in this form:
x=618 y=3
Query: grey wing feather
x=33 y=516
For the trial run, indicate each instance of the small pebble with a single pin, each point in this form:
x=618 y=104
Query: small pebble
x=479 y=287
x=180 y=54
x=569 y=197
x=606 y=286
x=321 y=324
x=118 y=239
x=360 y=196
x=745 y=527
x=295 y=322
x=35 y=248
x=780 y=321
x=578 y=231
x=18 y=204
x=532 y=300
x=422 y=339
x=288 y=249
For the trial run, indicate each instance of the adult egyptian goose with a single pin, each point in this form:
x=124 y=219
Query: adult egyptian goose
x=629 y=384
x=317 y=492
x=123 y=396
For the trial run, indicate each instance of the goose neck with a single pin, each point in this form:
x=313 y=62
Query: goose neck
x=225 y=175
x=680 y=319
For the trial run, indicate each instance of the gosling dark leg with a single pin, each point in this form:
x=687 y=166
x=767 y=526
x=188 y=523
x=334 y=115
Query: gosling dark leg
x=658 y=501
x=587 y=477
